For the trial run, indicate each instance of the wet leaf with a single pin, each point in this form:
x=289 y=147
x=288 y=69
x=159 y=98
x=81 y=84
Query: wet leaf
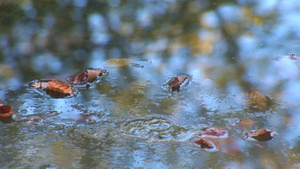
x=80 y=79
x=54 y=88
x=6 y=111
x=86 y=77
x=261 y=134
x=93 y=74
x=121 y=62
x=205 y=144
x=177 y=81
x=217 y=138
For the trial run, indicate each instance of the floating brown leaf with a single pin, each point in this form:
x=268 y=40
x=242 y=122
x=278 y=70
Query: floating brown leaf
x=261 y=134
x=54 y=88
x=205 y=144
x=89 y=76
x=217 y=138
x=6 y=111
x=80 y=79
x=92 y=74
x=177 y=81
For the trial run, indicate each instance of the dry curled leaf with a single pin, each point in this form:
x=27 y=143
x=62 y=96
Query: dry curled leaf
x=54 y=88
x=218 y=139
x=261 y=134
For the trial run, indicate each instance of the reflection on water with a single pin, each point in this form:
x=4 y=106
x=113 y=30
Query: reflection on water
x=236 y=53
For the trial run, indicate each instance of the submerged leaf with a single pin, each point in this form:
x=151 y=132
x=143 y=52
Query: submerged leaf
x=246 y=123
x=121 y=62
x=255 y=100
x=33 y=119
x=261 y=134
x=218 y=139
x=216 y=131
x=87 y=118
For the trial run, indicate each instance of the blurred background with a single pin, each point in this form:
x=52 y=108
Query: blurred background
x=228 y=47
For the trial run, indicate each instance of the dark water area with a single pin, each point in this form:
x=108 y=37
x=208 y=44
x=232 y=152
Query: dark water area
x=236 y=56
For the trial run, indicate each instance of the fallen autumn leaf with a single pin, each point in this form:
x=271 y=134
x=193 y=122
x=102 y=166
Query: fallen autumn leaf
x=6 y=111
x=176 y=82
x=54 y=88
x=261 y=134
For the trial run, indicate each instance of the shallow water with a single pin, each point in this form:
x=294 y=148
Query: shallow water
x=235 y=53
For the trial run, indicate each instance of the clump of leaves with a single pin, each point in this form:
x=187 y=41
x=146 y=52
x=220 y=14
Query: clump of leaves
x=213 y=139
x=261 y=134
x=54 y=88
x=58 y=89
